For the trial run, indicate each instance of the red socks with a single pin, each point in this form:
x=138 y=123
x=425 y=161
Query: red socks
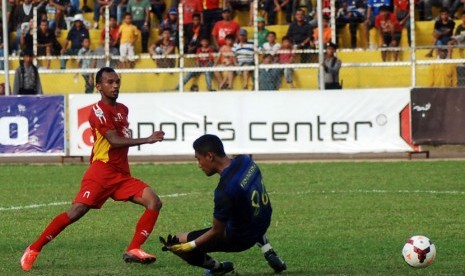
x=55 y=227
x=143 y=228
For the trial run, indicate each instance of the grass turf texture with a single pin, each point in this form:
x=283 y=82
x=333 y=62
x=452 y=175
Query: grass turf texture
x=348 y=218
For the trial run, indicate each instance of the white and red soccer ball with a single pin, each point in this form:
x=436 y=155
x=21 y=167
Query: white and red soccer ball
x=419 y=252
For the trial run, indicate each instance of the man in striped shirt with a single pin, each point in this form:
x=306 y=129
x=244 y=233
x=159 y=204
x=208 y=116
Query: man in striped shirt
x=243 y=50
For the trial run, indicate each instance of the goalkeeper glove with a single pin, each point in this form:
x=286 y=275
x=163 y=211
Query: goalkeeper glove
x=183 y=247
x=170 y=240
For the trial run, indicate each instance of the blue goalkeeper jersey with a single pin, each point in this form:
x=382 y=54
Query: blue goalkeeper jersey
x=241 y=200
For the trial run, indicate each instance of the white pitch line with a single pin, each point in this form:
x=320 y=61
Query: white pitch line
x=382 y=192
x=35 y=206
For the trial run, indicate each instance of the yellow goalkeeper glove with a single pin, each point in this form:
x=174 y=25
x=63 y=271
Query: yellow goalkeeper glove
x=183 y=247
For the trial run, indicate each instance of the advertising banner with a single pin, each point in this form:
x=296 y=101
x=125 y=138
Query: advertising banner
x=285 y=122
x=438 y=116
x=32 y=125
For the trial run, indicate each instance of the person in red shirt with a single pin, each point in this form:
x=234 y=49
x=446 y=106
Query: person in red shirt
x=189 y=7
x=223 y=28
x=108 y=174
x=113 y=32
x=402 y=13
x=389 y=31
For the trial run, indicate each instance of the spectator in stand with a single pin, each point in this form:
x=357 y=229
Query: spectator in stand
x=204 y=59
x=26 y=40
x=74 y=39
x=47 y=43
x=99 y=9
x=442 y=74
x=140 y=11
x=158 y=9
x=113 y=32
x=352 y=12
x=192 y=34
x=272 y=47
x=223 y=28
x=445 y=4
x=455 y=6
x=269 y=78
x=273 y=7
x=172 y=23
x=443 y=30
x=191 y=7
x=244 y=52
x=327 y=32
x=212 y=13
x=262 y=31
x=27 y=79
x=21 y=16
x=301 y=33
x=402 y=13
x=62 y=9
x=373 y=7
x=164 y=47
x=389 y=31
x=331 y=66
x=459 y=36
x=226 y=58
x=127 y=35
x=121 y=10
x=101 y=62
x=286 y=56
x=85 y=62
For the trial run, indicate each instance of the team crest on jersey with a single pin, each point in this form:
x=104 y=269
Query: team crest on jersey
x=99 y=113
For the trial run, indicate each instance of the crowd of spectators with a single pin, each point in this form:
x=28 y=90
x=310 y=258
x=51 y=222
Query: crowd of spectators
x=211 y=32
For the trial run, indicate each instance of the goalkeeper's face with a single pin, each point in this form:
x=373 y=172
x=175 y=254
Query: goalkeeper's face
x=205 y=163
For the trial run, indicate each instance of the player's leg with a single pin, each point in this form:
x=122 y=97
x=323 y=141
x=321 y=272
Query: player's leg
x=270 y=255
x=56 y=226
x=140 y=193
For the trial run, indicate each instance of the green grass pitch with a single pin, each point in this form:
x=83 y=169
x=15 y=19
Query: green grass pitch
x=339 y=218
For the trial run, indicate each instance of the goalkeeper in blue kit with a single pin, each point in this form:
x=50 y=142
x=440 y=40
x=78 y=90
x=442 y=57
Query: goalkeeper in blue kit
x=241 y=215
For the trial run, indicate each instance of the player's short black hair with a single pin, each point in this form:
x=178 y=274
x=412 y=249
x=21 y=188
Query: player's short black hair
x=209 y=143
x=230 y=36
x=98 y=76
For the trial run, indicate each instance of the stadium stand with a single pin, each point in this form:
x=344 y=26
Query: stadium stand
x=305 y=78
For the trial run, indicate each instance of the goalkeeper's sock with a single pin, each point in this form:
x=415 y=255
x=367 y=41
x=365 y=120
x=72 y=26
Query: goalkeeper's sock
x=143 y=228
x=58 y=224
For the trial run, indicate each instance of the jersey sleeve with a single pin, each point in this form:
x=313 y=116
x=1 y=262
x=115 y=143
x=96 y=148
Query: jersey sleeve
x=99 y=121
x=223 y=206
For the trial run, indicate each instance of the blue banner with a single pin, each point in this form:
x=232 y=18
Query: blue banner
x=32 y=125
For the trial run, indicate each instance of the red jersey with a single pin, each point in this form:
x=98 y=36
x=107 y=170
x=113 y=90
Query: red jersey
x=189 y=8
x=387 y=24
x=402 y=5
x=205 y=57
x=113 y=34
x=211 y=4
x=223 y=28
x=103 y=118
x=285 y=56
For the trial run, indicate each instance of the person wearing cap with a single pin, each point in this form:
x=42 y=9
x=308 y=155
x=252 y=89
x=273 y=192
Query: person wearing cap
x=223 y=28
x=244 y=52
x=27 y=80
x=172 y=23
x=331 y=66
x=140 y=11
x=74 y=39
x=262 y=31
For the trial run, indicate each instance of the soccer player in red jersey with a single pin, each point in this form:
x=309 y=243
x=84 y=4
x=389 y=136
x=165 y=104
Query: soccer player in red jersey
x=108 y=174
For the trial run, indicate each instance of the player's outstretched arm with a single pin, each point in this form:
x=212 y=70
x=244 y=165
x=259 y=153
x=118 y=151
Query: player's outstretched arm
x=117 y=141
